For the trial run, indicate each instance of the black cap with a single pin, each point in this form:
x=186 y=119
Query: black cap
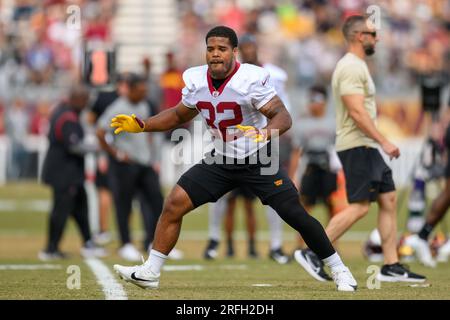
x=247 y=38
x=130 y=78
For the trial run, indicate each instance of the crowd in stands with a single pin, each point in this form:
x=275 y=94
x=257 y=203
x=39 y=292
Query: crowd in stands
x=40 y=55
x=304 y=36
x=41 y=45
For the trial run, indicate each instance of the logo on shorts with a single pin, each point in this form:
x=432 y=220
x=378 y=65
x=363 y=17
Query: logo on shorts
x=278 y=182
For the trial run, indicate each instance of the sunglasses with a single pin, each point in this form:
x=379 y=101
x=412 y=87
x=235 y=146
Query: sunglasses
x=372 y=33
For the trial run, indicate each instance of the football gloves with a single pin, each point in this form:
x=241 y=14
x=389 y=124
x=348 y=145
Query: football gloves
x=253 y=133
x=127 y=123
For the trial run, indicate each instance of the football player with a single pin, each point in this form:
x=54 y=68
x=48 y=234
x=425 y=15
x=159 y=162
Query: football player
x=244 y=114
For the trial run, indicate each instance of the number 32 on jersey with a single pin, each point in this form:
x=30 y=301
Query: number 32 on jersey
x=218 y=113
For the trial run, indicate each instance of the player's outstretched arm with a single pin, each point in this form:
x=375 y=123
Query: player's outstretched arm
x=163 y=121
x=279 y=117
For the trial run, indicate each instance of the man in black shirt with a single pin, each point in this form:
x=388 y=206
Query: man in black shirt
x=63 y=171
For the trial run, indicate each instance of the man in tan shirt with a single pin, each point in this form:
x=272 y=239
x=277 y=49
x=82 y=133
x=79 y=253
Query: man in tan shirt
x=368 y=178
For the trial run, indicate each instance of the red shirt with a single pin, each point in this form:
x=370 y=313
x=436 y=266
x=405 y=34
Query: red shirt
x=171 y=83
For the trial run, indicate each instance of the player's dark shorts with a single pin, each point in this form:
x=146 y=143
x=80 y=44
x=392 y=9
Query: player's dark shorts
x=366 y=174
x=317 y=184
x=244 y=192
x=207 y=182
x=102 y=180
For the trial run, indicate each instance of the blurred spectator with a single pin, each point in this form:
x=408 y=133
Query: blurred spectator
x=171 y=82
x=17 y=124
x=153 y=88
x=39 y=123
x=103 y=100
x=190 y=36
x=64 y=42
x=231 y=15
x=2 y=119
x=131 y=167
x=37 y=47
x=23 y=9
x=98 y=29
x=66 y=155
x=40 y=59
x=428 y=67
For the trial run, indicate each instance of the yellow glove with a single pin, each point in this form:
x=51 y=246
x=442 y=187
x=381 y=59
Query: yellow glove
x=127 y=123
x=253 y=133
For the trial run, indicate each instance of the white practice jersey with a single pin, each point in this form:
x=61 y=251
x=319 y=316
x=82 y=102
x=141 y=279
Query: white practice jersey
x=237 y=101
x=278 y=79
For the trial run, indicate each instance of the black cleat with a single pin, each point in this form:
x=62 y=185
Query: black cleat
x=211 y=252
x=312 y=264
x=52 y=255
x=230 y=250
x=252 y=254
x=279 y=256
x=398 y=273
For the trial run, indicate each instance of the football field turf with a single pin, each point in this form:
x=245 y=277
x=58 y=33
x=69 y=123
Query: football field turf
x=23 y=222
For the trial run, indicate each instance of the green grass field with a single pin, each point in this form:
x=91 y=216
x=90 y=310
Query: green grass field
x=23 y=222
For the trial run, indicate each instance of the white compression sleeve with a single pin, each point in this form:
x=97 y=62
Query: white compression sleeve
x=275 y=228
x=216 y=213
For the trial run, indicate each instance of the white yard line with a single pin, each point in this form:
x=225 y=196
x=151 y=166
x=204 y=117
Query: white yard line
x=191 y=267
x=199 y=267
x=111 y=288
x=25 y=205
x=234 y=267
x=30 y=266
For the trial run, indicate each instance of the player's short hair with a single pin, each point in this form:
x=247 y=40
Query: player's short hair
x=224 y=32
x=351 y=25
x=78 y=90
x=121 y=77
x=132 y=79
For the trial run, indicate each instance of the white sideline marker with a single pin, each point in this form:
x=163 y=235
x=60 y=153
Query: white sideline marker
x=111 y=288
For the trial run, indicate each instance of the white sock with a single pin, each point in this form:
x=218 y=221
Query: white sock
x=275 y=228
x=216 y=212
x=155 y=261
x=334 y=262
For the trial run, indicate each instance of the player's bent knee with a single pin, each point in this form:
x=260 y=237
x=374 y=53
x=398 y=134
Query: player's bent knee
x=177 y=204
x=172 y=211
x=360 y=209
x=388 y=201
